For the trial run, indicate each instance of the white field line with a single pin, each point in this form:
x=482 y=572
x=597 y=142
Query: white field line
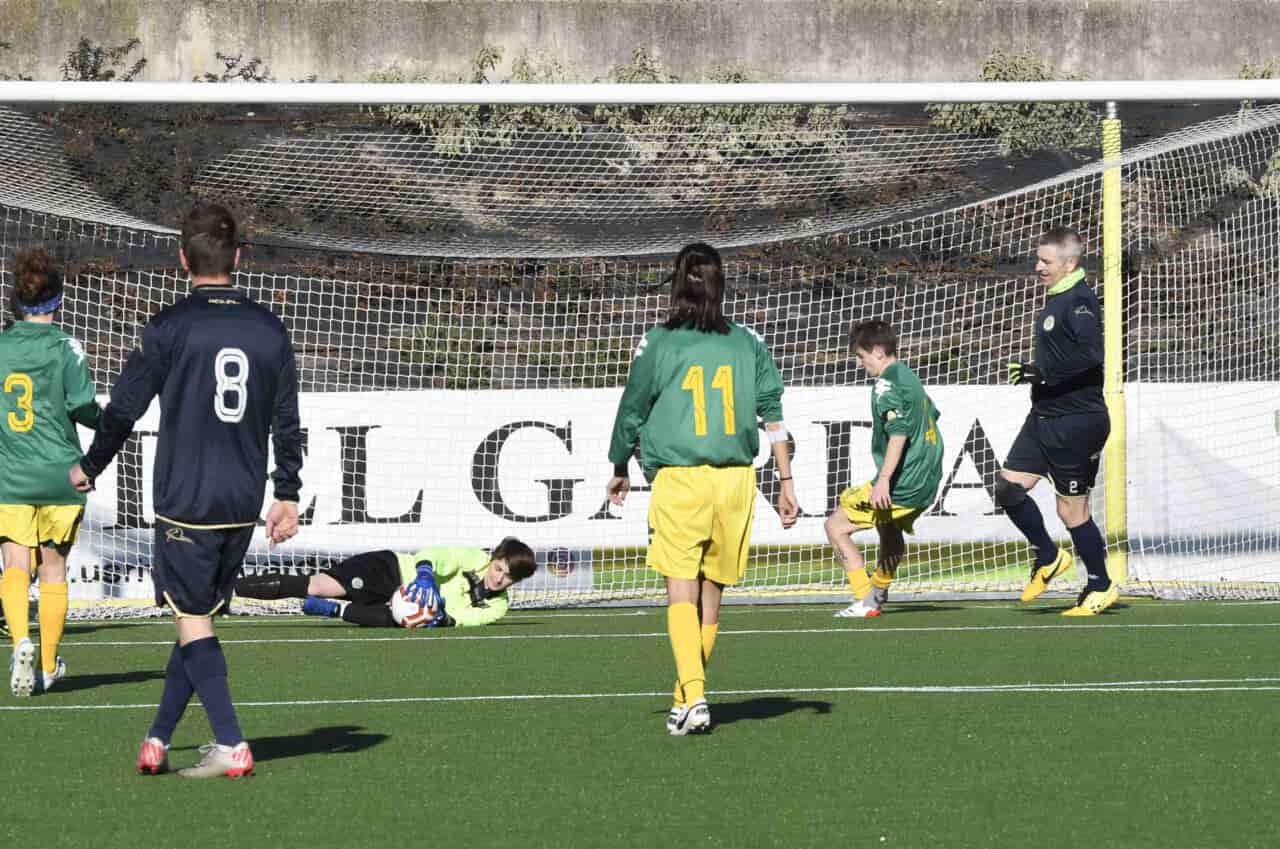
x=1191 y=685
x=851 y=630
x=727 y=611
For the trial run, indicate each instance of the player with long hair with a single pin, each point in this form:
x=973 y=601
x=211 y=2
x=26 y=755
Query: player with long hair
x=698 y=387
x=47 y=391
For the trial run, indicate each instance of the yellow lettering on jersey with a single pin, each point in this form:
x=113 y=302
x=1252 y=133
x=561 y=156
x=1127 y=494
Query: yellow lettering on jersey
x=28 y=420
x=724 y=382
x=693 y=383
x=930 y=435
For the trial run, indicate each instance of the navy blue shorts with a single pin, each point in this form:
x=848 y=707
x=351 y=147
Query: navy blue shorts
x=1064 y=449
x=195 y=569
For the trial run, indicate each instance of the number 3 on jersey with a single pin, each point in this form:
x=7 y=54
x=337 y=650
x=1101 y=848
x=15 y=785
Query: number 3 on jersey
x=21 y=382
x=694 y=382
x=231 y=382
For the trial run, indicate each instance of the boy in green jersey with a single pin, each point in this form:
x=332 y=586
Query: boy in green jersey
x=470 y=583
x=47 y=391
x=907 y=449
x=698 y=390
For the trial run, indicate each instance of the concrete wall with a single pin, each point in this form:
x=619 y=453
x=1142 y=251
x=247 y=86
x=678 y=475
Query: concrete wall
x=793 y=40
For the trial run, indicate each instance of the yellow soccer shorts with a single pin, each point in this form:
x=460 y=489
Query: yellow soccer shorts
x=30 y=525
x=856 y=503
x=700 y=522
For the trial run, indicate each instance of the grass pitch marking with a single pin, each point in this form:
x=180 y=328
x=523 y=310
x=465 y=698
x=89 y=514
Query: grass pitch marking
x=1182 y=685
x=646 y=635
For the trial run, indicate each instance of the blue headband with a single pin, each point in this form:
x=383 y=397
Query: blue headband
x=43 y=308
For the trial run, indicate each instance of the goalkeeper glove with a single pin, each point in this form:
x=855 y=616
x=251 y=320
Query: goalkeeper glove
x=423 y=591
x=1020 y=372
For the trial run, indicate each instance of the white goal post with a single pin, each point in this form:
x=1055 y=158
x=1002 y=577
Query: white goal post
x=465 y=271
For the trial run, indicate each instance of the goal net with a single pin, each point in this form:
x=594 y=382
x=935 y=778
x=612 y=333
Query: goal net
x=465 y=290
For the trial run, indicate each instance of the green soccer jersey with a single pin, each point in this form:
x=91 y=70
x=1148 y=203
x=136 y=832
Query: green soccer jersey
x=452 y=565
x=694 y=398
x=47 y=390
x=900 y=407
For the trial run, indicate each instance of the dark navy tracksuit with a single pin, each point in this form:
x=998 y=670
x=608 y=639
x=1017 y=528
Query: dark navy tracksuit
x=1063 y=435
x=224 y=369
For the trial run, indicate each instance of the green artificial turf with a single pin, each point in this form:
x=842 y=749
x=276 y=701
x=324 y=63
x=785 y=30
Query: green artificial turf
x=944 y=724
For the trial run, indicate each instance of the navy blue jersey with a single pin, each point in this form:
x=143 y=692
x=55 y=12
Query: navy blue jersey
x=1069 y=352
x=223 y=367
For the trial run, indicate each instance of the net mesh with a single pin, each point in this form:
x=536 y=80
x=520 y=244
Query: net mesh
x=464 y=323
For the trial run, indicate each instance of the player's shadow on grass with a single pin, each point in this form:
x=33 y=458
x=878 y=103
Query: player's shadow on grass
x=1057 y=609
x=331 y=740
x=766 y=707
x=91 y=682
x=77 y=628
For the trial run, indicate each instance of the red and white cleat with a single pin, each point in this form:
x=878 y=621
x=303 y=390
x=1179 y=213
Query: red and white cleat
x=232 y=761
x=153 y=757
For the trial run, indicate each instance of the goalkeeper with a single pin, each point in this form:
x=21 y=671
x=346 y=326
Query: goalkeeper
x=468 y=586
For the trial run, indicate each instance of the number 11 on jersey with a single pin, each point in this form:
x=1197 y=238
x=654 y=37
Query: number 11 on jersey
x=695 y=383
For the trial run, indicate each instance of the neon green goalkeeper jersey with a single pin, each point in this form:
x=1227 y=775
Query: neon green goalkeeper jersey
x=694 y=399
x=900 y=407
x=46 y=391
x=452 y=566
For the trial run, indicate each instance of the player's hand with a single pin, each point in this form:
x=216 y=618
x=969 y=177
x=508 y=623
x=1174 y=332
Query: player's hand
x=881 y=499
x=788 y=506
x=617 y=489
x=79 y=480
x=442 y=619
x=282 y=521
x=423 y=591
x=1020 y=372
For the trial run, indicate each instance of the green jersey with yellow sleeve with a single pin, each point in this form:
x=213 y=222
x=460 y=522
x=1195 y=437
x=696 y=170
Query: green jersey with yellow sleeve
x=900 y=407
x=47 y=390
x=457 y=570
x=694 y=398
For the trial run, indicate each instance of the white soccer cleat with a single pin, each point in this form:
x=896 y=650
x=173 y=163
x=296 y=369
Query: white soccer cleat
x=22 y=669
x=232 y=761
x=674 y=717
x=858 y=610
x=48 y=679
x=692 y=719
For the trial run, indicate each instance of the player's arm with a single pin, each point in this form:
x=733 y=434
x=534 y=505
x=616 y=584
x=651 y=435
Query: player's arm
x=138 y=384
x=899 y=412
x=881 y=496
x=468 y=616
x=633 y=412
x=286 y=443
x=769 y=390
x=1084 y=328
x=81 y=399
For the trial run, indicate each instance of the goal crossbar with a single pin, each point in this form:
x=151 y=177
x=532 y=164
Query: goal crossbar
x=1166 y=91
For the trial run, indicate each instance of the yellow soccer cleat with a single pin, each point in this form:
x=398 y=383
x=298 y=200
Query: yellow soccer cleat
x=1093 y=603
x=1041 y=577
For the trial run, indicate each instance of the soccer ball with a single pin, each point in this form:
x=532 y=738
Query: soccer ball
x=407 y=612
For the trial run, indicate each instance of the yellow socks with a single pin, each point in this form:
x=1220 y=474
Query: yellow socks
x=14 y=588
x=883 y=576
x=686 y=645
x=859 y=582
x=53 y=617
x=708 y=641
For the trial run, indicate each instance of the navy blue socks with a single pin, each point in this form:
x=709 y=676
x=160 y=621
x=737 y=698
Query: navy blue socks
x=1093 y=553
x=207 y=670
x=1026 y=518
x=173 y=702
